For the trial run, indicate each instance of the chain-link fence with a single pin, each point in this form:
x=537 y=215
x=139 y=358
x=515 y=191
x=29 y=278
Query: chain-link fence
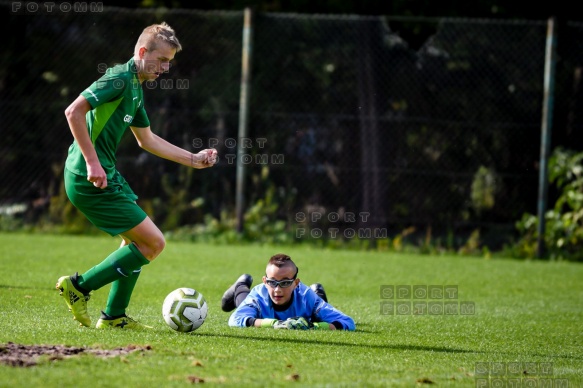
x=349 y=127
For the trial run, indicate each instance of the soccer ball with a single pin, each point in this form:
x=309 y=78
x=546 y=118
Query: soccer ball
x=184 y=309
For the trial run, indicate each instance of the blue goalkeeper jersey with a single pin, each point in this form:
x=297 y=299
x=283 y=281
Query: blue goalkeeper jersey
x=305 y=303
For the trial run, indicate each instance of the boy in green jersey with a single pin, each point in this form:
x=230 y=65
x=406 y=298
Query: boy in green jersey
x=98 y=118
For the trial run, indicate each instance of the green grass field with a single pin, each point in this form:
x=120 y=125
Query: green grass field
x=527 y=315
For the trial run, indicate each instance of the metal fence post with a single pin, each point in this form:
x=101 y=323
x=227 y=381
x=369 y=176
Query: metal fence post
x=243 y=114
x=546 y=129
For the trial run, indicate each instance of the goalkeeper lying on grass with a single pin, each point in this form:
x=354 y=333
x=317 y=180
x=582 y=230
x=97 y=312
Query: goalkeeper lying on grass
x=282 y=301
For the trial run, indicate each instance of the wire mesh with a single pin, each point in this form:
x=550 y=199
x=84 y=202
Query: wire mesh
x=346 y=120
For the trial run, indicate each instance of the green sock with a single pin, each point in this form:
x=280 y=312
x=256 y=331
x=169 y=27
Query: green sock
x=120 y=294
x=119 y=264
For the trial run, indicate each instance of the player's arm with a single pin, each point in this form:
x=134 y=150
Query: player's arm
x=324 y=326
x=264 y=322
x=324 y=316
x=75 y=114
x=331 y=318
x=252 y=313
x=245 y=315
x=154 y=144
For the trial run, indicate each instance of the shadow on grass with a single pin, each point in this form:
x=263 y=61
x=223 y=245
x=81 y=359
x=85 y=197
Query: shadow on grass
x=319 y=341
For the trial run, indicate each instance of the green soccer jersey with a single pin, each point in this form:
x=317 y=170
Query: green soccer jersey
x=117 y=101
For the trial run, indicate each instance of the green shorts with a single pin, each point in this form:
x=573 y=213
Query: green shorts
x=112 y=209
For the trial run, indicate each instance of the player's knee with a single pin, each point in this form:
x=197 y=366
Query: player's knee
x=160 y=244
x=152 y=247
x=156 y=246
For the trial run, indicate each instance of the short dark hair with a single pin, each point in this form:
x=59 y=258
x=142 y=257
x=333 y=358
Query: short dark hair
x=282 y=260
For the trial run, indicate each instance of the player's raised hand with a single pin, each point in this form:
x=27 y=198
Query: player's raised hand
x=205 y=158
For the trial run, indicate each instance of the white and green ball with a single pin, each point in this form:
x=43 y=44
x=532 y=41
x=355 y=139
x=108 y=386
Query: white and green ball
x=184 y=309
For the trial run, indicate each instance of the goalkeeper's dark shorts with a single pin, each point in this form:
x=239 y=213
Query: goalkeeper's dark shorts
x=112 y=209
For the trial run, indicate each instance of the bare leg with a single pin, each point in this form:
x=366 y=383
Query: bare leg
x=147 y=238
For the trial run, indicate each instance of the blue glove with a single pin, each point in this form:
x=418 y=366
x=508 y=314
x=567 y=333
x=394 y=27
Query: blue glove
x=296 y=323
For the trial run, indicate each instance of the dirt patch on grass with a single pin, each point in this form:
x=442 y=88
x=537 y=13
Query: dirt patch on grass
x=29 y=355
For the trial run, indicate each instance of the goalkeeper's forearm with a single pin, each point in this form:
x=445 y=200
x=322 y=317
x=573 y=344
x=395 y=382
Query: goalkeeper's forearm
x=269 y=322
x=256 y=322
x=324 y=326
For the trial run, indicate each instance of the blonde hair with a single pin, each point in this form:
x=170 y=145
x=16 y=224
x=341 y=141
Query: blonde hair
x=156 y=33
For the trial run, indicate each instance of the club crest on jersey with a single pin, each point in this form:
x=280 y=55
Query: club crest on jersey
x=128 y=119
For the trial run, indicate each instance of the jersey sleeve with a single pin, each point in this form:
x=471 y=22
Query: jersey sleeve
x=141 y=119
x=249 y=308
x=107 y=88
x=325 y=312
